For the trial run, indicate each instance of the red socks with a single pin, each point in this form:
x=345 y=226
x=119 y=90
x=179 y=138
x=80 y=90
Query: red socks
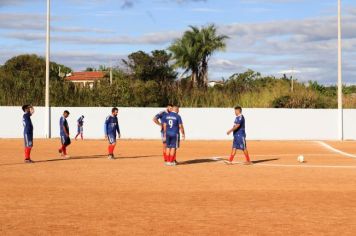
x=231 y=158
x=111 y=149
x=28 y=153
x=247 y=157
x=165 y=157
x=171 y=158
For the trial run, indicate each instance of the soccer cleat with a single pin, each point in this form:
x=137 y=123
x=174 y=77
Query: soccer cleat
x=176 y=162
x=168 y=163
x=111 y=157
x=228 y=162
x=29 y=161
x=66 y=156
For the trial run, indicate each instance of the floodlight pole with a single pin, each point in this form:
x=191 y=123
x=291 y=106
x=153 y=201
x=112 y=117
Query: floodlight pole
x=339 y=77
x=47 y=108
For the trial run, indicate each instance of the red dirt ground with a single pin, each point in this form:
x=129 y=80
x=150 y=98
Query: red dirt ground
x=137 y=195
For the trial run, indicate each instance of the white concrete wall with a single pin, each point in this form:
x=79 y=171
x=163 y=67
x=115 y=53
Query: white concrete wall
x=200 y=123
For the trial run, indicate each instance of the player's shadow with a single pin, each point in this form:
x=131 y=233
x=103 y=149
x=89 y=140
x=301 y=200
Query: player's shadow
x=78 y=158
x=198 y=161
x=265 y=160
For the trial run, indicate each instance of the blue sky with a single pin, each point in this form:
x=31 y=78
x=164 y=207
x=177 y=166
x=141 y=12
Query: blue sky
x=269 y=36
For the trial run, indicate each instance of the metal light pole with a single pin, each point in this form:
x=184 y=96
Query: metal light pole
x=339 y=77
x=47 y=108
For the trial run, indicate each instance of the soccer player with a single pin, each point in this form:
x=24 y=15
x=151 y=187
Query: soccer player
x=171 y=127
x=159 y=119
x=239 y=136
x=28 y=131
x=80 y=123
x=110 y=128
x=64 y=133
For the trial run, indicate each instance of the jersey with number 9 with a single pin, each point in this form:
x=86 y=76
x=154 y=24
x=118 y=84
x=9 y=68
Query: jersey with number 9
x=173 y=120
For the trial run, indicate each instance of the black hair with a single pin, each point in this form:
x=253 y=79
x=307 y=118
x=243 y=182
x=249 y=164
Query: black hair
x=114 y=109
x=66 y=112
x=169 y=105
x=24 y=107
x=238 y=108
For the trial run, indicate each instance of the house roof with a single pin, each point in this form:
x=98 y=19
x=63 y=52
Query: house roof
x=89 y=75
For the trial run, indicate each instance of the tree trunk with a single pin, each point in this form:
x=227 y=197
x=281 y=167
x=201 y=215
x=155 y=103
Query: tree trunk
x=204 y=74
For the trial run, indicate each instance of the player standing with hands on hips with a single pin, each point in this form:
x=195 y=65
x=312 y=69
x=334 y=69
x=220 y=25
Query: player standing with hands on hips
x=64 y=133
x=159 y=119
x=110 y=128
x=239 y=136
x=171 y=127
x=28 y=131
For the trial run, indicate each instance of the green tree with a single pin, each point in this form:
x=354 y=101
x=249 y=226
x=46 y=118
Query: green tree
x=193 y=51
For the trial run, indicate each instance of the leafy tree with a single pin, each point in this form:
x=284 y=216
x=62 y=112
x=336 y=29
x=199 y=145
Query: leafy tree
x=193 y=51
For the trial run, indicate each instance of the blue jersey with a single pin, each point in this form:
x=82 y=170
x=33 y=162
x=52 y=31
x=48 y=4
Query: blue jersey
x=240 y=120
x=162 y=116
x=111 y=126
x=63 y=125
x=27 y=124
x=173 y=120
x=80 y=121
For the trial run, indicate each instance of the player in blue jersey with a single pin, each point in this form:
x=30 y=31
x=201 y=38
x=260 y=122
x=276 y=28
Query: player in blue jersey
x=111 y=127
x=239 y=133
x=172 y=127
x=64 y=134
x=159 y=119
x=28 y=131
x=80 y=123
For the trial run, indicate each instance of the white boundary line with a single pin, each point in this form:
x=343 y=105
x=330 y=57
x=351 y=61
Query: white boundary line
x=327 y=146
x=220 y=159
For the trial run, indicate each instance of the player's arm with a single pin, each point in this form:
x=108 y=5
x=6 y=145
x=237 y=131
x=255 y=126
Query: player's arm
x=164 y=130
x=118 y=130
x=156 y=121
x=236 y=126
x=181 y=127
x=106 y=124
x=64 y=128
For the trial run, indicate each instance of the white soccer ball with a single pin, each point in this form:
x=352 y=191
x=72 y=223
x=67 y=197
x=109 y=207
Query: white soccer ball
x=301 y=158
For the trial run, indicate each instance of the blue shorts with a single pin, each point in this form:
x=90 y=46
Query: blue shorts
x=80 y=129
x=28 y=140
x=172 y=141
x=162 y=137
x=65 y=140
x=239 y=142
x=112 y=139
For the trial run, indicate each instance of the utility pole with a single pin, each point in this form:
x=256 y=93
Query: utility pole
x=339 y=77
x=47 y=108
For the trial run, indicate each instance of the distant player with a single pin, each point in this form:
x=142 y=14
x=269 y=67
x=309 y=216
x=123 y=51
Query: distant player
x=28 y=131
x=171 y=127
x=239 y=136
x=64 y=133
x=159 y=119
x=111 y=127
x=80 y=123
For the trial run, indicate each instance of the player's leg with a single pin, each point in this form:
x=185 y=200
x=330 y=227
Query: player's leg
x=28 y=146
x=169 y=149
x=177 y=144
x=165 y=156
x=111 y=147
x=244 y=149
x=81 y=132
x=62 y=148
x=235 y=145
x=66 y=143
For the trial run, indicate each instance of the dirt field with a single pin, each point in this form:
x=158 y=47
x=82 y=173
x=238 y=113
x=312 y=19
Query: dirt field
x=137 y=195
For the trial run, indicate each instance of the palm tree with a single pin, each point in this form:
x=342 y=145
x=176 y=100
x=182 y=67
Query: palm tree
x=193 y=51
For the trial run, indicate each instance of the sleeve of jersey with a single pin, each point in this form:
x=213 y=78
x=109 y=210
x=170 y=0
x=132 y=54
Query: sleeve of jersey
x=61 y=123
x=238 y=120
x=159 y=115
